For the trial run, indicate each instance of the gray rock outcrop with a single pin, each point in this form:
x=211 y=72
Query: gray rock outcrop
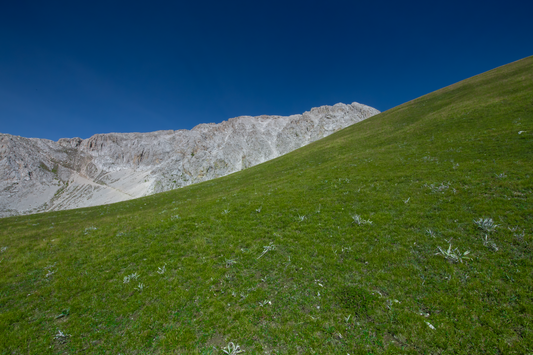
x=42 y=175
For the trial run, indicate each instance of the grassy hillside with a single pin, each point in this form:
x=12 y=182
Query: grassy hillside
x=410 y=232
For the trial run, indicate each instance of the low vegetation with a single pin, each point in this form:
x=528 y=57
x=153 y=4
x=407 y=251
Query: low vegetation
x=410 y=232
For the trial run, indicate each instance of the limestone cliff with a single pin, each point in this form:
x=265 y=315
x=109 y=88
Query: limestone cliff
x=42 y=175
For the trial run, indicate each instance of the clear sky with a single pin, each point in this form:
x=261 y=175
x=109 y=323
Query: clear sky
x=77 y=68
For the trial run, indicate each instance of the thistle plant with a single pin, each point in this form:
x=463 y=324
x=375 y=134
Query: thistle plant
x=438 y=188
x=486 y=224
x=230 y=262
x=61 y=337
x=232 y=349
x=266 y=249
x=60 y=334
x=50 y=272
x=359 y=220
x=430 y=233
x=520 y=236
x=453 y=255
x=133 y=276
x=489 y=243
x=88 y=229
x=161 y=270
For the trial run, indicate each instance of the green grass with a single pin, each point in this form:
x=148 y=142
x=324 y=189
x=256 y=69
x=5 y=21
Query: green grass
x=418 y=175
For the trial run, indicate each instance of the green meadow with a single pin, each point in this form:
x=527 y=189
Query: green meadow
x=409 y=232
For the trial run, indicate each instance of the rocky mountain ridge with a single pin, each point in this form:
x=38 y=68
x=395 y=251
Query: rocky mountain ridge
x=42 y=175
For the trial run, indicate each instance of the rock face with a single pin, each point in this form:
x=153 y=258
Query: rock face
x=41 y=175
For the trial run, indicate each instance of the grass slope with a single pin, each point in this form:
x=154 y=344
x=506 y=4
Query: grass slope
x=333 y=248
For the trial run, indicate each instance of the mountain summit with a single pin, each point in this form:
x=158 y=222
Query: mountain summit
x=38 y=175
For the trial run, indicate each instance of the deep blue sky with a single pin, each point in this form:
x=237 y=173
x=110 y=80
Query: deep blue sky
x=77 y=68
